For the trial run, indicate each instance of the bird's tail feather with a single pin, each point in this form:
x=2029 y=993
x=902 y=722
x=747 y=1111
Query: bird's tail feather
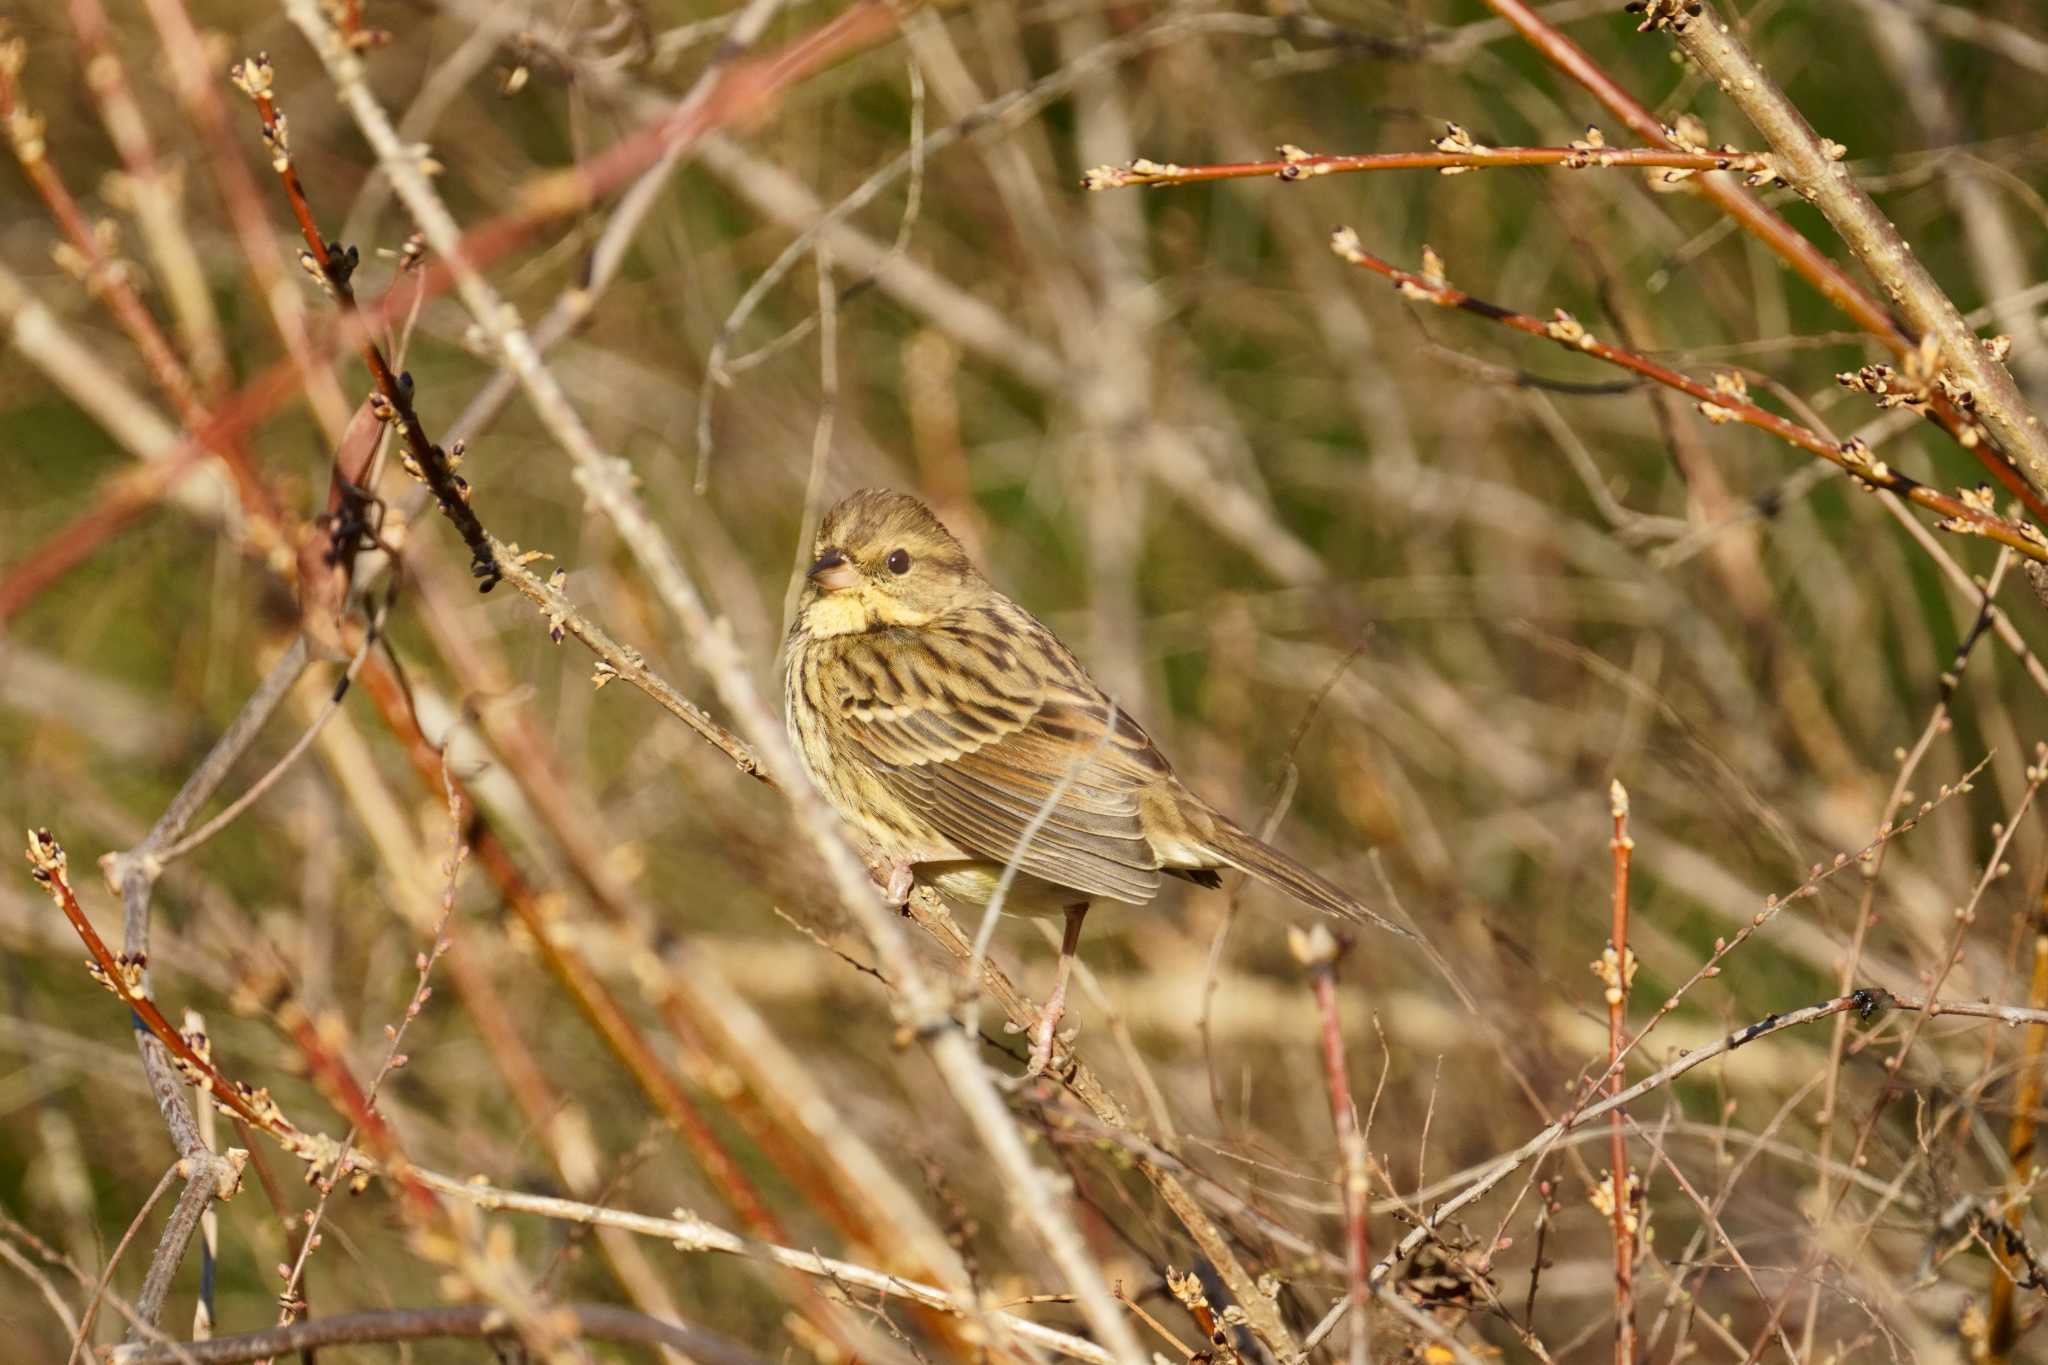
x=1261 y=860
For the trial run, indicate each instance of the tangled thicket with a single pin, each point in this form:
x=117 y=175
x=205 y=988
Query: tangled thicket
x=1611 y=548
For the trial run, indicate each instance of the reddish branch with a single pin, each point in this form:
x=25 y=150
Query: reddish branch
x=2002 y=1327
x=333 y=264
x=1318 y=950
x=1616 y=968
x=575 y=974
x=1754 y=217
x=584 y=1321
x=108 y=279
x=745 y=92
x=1294 y=164
x=253 y=1105
x=123 y=976
x=1725 y=401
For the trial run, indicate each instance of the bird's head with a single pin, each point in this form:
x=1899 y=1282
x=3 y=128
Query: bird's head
x=882 y=559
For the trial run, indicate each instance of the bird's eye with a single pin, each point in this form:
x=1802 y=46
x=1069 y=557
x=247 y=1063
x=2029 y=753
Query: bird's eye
x=898 y=561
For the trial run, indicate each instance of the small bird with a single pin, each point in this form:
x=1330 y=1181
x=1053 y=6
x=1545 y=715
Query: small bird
x=956 y=734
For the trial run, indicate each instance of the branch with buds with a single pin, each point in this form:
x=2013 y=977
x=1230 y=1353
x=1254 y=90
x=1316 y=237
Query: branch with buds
x=1456 y=153
x=1968 y=512
x=333 y=265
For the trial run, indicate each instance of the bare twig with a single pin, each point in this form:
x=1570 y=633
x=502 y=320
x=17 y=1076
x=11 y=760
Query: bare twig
x=2002 y=1322
x=1972 y=378
x=81 y=1332
x=1616 y=969
x=1462 y=154
x=334 y=265
x=607 y=482
x=1317 y=950
x=1753 y=216
x=595 y=1321
x=1969 y=512
x=1868 y=1001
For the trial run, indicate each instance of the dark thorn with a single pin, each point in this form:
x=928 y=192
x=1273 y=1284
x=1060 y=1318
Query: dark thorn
x=340 y=690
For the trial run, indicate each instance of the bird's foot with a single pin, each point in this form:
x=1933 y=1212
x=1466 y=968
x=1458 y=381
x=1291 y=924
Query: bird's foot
x=1045 y=1034
x=894 y=877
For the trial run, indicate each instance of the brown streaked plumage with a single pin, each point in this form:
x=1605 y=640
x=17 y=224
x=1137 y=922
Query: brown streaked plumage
x=940 y=718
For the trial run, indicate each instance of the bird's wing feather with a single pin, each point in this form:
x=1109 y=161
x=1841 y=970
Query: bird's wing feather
x=977 y=733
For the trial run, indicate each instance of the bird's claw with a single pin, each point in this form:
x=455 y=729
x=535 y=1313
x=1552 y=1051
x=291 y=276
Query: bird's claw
x=897 y=891
x=1044 y=1034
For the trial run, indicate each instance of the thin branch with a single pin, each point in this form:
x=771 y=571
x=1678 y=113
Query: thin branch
x=1726 y=401
x=1617 y=969
x=607 y=481
x=2002 y=1327
x=594 y=1321
x=1755 y=217
x=1296 y=165
x=1972 y=378
x=334 y=264
x=179 y=1230
x=1865 y=1002
x=81 y=1331
x=1318 y=950
x=125 y=977
x=687 y=1232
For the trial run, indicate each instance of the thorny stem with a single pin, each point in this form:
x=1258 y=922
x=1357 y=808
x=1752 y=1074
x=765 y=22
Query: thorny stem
x=333 y=264
x=1726 y=401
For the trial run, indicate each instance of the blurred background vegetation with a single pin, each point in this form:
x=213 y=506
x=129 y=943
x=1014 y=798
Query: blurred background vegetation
x=1422 y=583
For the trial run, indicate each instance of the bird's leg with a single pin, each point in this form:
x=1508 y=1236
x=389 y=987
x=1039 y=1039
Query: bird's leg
x=1055 y=1004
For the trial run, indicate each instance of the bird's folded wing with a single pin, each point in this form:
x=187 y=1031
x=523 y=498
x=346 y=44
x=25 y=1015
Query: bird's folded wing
x=981 y=741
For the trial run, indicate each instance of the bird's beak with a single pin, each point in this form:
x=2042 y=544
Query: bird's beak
x=834 y=572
